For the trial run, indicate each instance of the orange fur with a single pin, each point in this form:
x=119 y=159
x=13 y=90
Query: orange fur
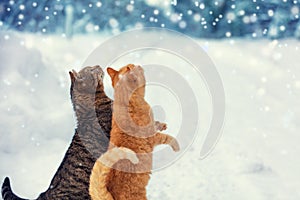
x=133 y=127
x=102 y=168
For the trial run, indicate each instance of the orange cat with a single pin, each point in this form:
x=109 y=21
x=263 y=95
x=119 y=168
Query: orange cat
x=133 y=127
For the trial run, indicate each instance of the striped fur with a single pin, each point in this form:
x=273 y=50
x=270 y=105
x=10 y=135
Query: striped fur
x=90 y=141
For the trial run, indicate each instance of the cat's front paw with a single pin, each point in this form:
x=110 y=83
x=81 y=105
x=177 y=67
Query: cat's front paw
x=160 y=126
x=175 y=145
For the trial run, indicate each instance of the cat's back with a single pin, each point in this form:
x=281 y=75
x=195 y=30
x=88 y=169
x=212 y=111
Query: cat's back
x=104 y=107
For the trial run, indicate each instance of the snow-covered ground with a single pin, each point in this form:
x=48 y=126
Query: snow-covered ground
x=256 y=157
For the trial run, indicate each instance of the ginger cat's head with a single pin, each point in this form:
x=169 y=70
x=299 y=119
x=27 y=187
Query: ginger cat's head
x=130 y=78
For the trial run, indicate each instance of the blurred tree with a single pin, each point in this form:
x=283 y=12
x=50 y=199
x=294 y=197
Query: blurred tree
x=199 y=18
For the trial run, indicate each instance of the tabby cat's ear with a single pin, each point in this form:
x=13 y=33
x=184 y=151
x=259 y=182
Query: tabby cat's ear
x=73 y=75
x=111 y=72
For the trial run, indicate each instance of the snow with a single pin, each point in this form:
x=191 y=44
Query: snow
x=256 y=157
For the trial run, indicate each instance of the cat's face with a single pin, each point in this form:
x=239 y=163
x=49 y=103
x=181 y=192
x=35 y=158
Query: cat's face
x=131 y=76
x=87 y=80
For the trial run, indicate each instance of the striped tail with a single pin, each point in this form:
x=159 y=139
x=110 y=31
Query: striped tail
x=97 y=188
x=7 y=193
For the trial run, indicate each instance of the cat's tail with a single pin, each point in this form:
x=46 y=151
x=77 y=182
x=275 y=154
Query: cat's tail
x=7 y=193
x=97 y=188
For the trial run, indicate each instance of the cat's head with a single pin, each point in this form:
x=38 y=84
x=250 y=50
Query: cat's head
x=130 y=77
x=86 y=81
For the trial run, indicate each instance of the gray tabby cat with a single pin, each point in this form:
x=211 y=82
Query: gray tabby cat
x=91 y=139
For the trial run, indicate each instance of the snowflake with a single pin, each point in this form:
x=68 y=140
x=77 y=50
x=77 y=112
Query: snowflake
x=202 y=6
x=20 y=16
x=246 y=19
x=156 y=12
x=228 y=34
x=242 y=12
x=197 y=17
x=174 y=2
x=230 y=16
x=182 y=24
x=98 y=4
x=295 y=10
x=175 y=17
x=129 y=7
x=6 y=37
x=89 y=27
x=267 y=108
x=117 y=3
x=264 y=79
x=22 y=7
x=253 y=18
x=265 y=31
x=113 y=23
x=271 y=13
x=34 y=4
x=282 y=28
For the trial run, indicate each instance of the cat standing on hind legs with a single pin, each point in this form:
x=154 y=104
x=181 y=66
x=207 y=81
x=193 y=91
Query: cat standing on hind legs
x=91 y=139
x=133 y=127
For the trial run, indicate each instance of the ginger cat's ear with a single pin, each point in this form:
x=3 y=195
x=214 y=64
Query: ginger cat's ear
x=111 y=72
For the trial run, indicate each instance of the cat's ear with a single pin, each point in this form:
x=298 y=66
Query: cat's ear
x=111 y=72
x=73 y=75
